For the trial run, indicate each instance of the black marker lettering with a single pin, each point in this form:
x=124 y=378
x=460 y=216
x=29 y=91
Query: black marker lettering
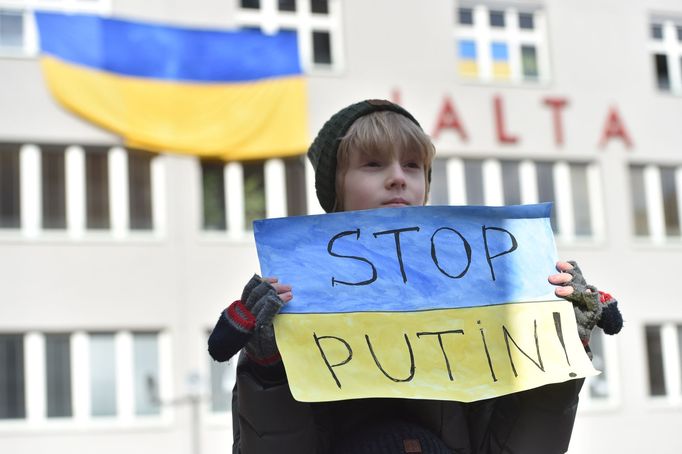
x=467 y=249
x=440 y=342
x=376 y=360
x=324 y=356
x=362 y=259
x=396 y=235
x=508 y=337
x=487 y=250
x=487 y=353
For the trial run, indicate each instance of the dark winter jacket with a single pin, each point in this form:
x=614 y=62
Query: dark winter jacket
x=266 y=418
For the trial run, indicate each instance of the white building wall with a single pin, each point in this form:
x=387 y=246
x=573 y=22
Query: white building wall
x=177 y=278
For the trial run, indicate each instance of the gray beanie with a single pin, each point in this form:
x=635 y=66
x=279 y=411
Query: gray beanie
x=322 y=152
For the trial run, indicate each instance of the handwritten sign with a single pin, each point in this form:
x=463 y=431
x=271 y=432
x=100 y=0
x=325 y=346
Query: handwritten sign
x=445 y=303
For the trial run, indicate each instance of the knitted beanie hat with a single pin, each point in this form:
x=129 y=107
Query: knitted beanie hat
x=392 y=438
x=322 y=152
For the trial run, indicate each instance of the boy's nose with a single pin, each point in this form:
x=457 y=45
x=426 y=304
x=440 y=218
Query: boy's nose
x=396 y=176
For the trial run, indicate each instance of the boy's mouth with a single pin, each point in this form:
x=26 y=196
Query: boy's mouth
x=396 y=202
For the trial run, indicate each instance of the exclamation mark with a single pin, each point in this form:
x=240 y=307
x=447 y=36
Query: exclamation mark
x=560 y=335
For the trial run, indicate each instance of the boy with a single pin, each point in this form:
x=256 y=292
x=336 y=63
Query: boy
x=374 y=154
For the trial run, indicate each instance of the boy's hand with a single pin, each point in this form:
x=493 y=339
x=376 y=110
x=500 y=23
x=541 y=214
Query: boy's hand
x=264 y=298
x=592 y=307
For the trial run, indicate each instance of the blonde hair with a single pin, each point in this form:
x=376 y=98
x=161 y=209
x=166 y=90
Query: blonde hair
x=384 y=134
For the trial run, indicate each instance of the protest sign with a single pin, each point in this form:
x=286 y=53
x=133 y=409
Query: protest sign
x=445 y=303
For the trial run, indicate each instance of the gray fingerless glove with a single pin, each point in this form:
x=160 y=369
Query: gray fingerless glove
x=261 y=299
x=586 y=305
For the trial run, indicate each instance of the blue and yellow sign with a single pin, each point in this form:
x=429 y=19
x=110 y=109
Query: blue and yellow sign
x=445 y=303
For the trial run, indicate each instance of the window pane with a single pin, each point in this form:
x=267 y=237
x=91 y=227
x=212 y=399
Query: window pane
x=58 y=375
x=319 y=6
x=11 y=29
x=497 y=18
x=654 y=351
x=286 y=5
x=438 y=195
x=511 y=183
x=581 y=200
x=679 y=345
x=639 y=207
x=500 y=54
x=678 y=29
x=465 y=16
x=473 y=179
x=529 y=61
x=140 y=189
x=599 y=385
x=661 y=66
x=12 y=398
x=53 y=187
x=213 y=190
x=254 y=192
x=656 y=31
x=222 y=382
x=467 y=58
x=526 y=21
x=250 y=4
x=146 y=364
x=545 y=177
x=296 y=187
x=670 y=208
x=102 y=374
x=97 y=189
x=322 y=48
x=10 y=211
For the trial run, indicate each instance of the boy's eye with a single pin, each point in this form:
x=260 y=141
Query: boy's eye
x=372 y=164
x=413 y=165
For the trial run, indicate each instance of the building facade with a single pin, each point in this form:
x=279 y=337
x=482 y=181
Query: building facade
x=115 y=263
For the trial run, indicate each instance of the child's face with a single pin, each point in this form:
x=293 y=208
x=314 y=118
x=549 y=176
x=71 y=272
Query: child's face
x=371 y=181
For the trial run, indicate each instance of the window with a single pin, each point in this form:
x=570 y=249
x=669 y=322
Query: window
x=602 y=391
x=254 y=193
x=317 y=25
x=102 y=374
x=213 y=190
x=322 y=52
x=11 y=30
x=501 y=44
x=664 y=359
x=222 y=382
x=58 y=375
x=295 y=186
x=655 y=192
x=146 y=373
x=438 y=194
x=10 y=208
x=140 y=190
x=12 y=397
x=473 y=180
x=53 y=187
x=97 y=189
x=581 y=199
x=666 y=53
x=511 y=183
x=545 y=183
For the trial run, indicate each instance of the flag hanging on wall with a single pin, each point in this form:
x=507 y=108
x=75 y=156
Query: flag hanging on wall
x=234 y=95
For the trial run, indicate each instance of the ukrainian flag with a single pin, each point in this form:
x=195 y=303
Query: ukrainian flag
x=229 y=94
x=501 y=69
x=467 y=58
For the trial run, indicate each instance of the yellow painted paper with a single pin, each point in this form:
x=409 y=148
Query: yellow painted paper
x=481 y=352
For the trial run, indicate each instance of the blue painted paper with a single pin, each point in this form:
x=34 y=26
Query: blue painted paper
x=296 y=250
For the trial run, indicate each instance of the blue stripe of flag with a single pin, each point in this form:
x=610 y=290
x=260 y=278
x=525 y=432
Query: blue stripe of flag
x=163 y=52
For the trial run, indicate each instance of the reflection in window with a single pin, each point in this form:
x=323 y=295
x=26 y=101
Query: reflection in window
x=322 y=52
x=11 y=29
x=511 y=183
x=140 y=189
x=97 y=189
x=213 y=189
x=526 y=21
x=250 y=4
x=439 y=183
x=529 y=62
x=254 y=192
x=146 y=373
x=286 y=5
x=296 y=188
x=222 y=382
x=657 y=31
x=661 y=67
x=639 y=206
x=654 y=350
x=53 y=187
x=599 y=385
x=465 y=16
x=496 y=18
x=473 y=180
x=102 y=374
x=10 y=208
x=58 y=375
x=12 y=386
x=670 y=209
x=545 y=179
x=581 y=199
